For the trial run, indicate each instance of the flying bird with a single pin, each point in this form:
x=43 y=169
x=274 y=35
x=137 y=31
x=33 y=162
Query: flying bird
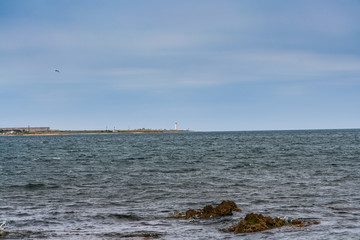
x=57 y=70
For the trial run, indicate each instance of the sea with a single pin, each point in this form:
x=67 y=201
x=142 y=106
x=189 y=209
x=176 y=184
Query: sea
x=128 y=186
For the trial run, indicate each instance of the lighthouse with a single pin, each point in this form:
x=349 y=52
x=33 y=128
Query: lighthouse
x=176 y=126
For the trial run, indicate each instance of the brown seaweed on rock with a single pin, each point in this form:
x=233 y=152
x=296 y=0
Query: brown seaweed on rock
x=225 y=208
x=254 y=222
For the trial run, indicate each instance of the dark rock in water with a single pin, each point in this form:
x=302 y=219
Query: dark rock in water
x=297 y=222
x=177 y=214
x=191 y=213
x=3 y=233
x=302 y=223
x=254 y=222
x=223 y=209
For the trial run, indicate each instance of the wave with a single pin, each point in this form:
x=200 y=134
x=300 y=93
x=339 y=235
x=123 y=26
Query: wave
x=130 y=217
x=119 y=216
x=141 y=234
x=36 y=186
x=26 y=234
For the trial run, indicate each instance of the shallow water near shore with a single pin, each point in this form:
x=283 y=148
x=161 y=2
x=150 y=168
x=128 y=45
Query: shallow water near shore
x=126 y=186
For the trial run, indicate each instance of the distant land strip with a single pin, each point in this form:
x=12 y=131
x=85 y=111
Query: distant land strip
x=42 y=131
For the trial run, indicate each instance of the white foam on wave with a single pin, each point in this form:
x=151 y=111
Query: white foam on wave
x=2 y=228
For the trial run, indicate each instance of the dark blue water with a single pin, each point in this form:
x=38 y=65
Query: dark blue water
x=127 y=185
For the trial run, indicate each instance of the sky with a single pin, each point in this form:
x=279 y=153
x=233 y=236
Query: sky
x=226 y=65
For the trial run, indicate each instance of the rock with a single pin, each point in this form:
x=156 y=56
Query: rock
x=3 y=233
x=193 y=213
x=254 y=222
x=177 y=214
x=226 y=208
x=302 y=223
x=223 y=209
x=297 y=222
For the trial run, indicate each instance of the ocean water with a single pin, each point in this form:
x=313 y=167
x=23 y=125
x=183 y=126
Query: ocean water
x=127 y=186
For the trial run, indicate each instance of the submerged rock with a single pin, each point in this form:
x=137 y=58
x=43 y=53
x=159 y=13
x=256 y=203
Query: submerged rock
x=254 y=222
x=223 y=209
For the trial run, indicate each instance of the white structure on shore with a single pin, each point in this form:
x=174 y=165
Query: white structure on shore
x=176 y=126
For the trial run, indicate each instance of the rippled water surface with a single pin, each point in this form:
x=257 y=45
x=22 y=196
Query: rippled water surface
x=126 y=186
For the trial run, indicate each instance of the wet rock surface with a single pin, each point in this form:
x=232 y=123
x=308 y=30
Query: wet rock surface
x=3 y=233
x=225 y=208
x=254 y=222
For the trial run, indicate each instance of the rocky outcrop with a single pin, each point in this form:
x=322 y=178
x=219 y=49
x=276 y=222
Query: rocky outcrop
x=223 y=209
x=254 y=222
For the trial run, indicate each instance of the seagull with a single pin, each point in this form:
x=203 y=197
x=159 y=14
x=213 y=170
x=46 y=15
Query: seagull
x=57 y=70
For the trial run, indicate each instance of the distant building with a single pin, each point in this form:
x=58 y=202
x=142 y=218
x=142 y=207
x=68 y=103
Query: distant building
x=176 y=126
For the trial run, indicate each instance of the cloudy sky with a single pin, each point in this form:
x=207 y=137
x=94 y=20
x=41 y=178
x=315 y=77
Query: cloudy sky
x=210 y=65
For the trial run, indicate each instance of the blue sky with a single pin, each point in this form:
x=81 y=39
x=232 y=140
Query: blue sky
x=210 y=65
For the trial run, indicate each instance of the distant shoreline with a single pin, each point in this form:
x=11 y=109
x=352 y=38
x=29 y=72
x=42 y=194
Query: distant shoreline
x=78 y=132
